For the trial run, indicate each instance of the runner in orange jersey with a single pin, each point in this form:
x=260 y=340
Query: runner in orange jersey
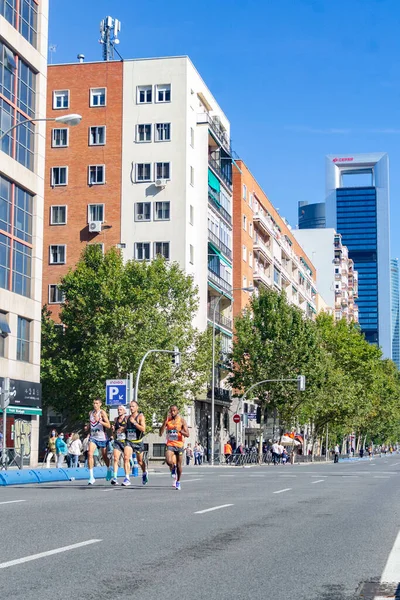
x=176 y=429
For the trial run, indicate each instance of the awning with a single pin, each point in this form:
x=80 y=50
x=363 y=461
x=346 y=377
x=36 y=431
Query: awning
x=213 y=181
x=220 y=255
x=4 y=326
x=23 y=410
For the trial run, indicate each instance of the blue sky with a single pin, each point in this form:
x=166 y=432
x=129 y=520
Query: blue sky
x=298 y=79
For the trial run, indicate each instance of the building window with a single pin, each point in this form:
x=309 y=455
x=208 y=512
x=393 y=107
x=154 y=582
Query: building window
x=191 y=215
x=163 y=132
x=55 y=294
x=28 y=19
x=244 y=281
x=244 y=253
x=97 y=97
x=143 y=172
x=161 y=212
x=163 y=93
x=191 y=254
x=250 y=259
x=143 y=211
x=251 y=230
x=60 y=99
x=96 y=212
x=97 y=174
x=192 y=176
x=8 y=10
x=59 y=176
x=142 y=250
x=144 y=94
x=192 y=137
x=244 y=192
x=158 y=450
x=58 y=215
x=22 y=269
x=99 y=244
x=143 y=133
x=251 y=200
x=59 y=137
x=23 y=206
x=161 y=249
x=162 y=170
x=97 y=135
x=245 y=222
x=23 y=339
x=58 y=254
x=5 y=250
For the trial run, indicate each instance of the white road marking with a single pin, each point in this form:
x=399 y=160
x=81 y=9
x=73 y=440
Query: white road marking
x=201 y=512
x=392 y=569
x=12 y=501
x=398 y=463
x=287 y=475
x=315 y=476
x=227 y=476
x=281 y=491
x=189 y=480
x=318 y=481
x=381 y=476
x=19 y=561
x=258 y=475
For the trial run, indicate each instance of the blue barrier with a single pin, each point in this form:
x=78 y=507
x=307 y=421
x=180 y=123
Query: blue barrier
x=18 y=477
x=49 y=475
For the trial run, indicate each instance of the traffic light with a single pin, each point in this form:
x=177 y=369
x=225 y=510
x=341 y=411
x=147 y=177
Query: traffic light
x=258 y=415
x=176 y=357
x=301 y=383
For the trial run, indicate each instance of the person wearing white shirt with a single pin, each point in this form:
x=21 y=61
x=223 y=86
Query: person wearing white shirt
x=75 y=450
x=276 y=454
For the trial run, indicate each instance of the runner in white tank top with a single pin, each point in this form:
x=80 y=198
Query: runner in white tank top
x=99 y=422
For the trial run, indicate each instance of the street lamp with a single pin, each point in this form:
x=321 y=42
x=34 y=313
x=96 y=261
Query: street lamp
x=70 y=120
x=243 y=289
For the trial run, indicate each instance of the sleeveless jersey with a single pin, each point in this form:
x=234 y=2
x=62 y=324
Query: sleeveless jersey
x=132 y=433
x=97 y=430
x=120 y=437
x=174 y=436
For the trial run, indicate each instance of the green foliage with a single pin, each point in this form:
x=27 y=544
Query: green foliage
x=113 y=313
x=349 y=386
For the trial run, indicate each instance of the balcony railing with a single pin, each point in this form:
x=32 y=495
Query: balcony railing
x=214 y=198
x=259 y=274
x=217 y=242
x=261 y=246
x=220 y=319
x=217 y=168
x=220 y=394
x=219 y=281
x=217 y=129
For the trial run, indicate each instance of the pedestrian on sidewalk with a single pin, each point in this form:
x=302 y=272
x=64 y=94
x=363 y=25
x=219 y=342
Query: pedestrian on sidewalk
x=75 y=450
x=61 y=450
x=196 y=453
x=201 y=454
x=276 y=455
x=189 y=454
x=228 y=453
x=51 y=448
x=336 y=454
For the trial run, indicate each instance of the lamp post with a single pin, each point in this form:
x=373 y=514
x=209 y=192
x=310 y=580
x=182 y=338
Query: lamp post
x=70 y=120
x=244 y=289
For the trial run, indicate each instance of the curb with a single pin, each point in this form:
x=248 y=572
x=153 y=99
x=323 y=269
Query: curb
x=30 y=476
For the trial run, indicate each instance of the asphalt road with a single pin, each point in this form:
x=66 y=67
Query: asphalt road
x=304 y=532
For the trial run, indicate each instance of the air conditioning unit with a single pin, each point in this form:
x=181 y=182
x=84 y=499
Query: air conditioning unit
x=139 y=217
x=161 y=183
x=95 y=226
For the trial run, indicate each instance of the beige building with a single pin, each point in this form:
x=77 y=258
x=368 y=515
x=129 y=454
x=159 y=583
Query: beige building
x=23 y=65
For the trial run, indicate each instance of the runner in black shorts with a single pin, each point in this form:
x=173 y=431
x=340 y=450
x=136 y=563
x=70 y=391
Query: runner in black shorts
x=135 y=430
x=119 y=427
x=177 y=429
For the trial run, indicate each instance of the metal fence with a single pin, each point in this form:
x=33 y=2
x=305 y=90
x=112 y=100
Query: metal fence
x=11 y=458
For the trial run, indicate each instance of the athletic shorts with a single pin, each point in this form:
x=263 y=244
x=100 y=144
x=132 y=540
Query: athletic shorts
x=175 y=450
x=120 y=446
x=136 y=447
x=99 y=443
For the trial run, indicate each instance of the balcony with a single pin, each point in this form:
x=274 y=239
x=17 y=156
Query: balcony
x=217 y=129
x=218 y=281
x=262 y=276
x=214 y=199
x=220 y=245
x=221 y=394
x=265 y=221
x=216 y=166
x=260 y=246
x=220 y=319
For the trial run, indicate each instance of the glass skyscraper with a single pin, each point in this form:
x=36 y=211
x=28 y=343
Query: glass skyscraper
x=395 y=302
x=360 y=213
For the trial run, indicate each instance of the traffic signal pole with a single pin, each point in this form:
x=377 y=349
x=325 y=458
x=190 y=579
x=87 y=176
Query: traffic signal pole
x=4 y=402
x=176 y=359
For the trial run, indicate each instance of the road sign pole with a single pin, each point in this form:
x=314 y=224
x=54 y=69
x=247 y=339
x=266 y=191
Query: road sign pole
x=5 y=400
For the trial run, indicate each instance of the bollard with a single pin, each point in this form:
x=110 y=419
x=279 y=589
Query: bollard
x=21 y=462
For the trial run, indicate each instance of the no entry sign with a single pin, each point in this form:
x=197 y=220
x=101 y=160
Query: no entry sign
x=236 y=418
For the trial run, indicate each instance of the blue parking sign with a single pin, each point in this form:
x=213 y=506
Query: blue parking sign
x=116 y=392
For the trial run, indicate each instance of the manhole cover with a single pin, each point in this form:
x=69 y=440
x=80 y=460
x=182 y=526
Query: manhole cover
x=379 y=591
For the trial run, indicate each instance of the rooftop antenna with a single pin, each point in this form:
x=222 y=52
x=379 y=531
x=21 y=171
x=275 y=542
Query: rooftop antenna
x=52 y=49
x=109 y=30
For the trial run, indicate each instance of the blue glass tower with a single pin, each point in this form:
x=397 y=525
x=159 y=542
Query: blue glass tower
x=360 y=213
x=395 y=301
x=311 y=216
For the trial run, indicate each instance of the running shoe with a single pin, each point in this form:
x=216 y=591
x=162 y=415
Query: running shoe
x=114 y=481
x=91 y=481
x=109 y=474
x=126 y=481
x=173 y=472
x=145 y=478
x=178 y=485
